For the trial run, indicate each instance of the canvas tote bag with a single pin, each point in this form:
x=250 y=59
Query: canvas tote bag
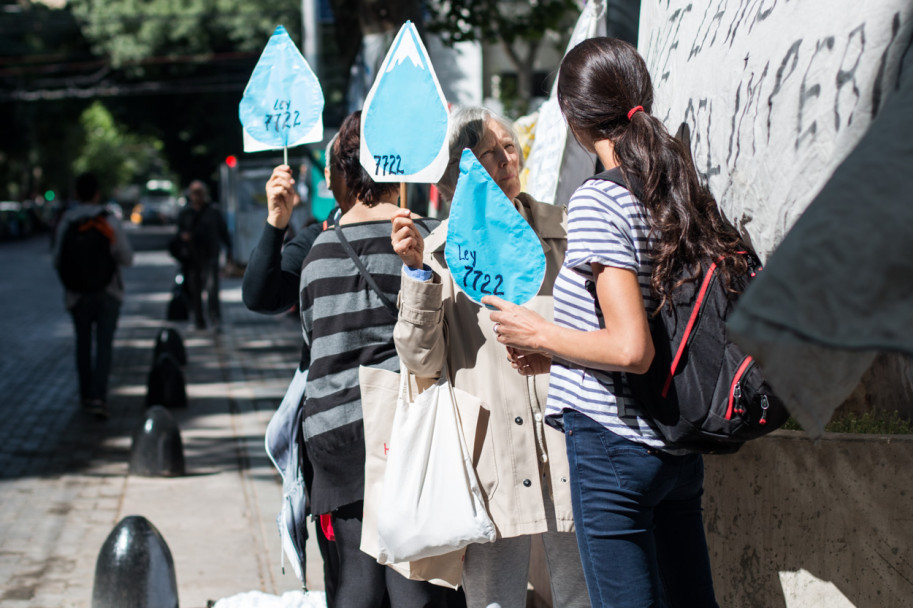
x=379 y=392
x=431 y=503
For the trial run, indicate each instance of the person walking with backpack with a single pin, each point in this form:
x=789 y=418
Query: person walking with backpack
x=636 y=497
x=90 y=250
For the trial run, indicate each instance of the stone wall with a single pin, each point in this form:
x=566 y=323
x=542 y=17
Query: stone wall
x=792 y=524
x=787 y=520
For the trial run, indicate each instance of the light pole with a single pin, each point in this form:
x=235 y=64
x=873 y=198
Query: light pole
x=310 y=34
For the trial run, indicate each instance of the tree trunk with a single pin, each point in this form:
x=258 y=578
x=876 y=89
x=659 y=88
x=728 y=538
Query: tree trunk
x=524 y=68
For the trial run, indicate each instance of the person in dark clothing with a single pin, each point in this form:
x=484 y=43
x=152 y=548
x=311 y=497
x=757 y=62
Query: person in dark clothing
x=202 y=227
x=347 y=324
x=270 y=283
x=270 y=286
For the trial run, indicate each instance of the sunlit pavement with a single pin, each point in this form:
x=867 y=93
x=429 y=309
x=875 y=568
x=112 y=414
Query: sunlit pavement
x=64 y=480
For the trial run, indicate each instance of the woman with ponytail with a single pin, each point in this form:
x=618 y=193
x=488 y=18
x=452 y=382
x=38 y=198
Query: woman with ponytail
x=636 y=499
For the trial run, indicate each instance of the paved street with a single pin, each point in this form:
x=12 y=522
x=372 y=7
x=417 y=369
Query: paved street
x=64 y=479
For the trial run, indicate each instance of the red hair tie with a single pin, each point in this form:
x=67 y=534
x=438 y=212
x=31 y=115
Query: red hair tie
x=634 y=111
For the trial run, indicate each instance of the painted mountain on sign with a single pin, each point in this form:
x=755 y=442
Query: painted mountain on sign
x=404 y=125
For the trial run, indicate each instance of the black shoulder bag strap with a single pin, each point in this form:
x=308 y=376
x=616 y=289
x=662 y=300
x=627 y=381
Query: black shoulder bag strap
x=388 y=304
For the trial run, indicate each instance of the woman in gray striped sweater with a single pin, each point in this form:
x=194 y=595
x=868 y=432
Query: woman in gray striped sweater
x=346 y=323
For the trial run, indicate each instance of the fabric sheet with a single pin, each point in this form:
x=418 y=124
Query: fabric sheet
x=839 y=289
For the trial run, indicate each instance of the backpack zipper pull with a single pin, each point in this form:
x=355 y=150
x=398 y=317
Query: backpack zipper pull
x=737 y=395
x=765 y=404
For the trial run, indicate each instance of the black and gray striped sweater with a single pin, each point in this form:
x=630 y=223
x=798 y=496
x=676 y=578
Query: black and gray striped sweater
x=346 y=325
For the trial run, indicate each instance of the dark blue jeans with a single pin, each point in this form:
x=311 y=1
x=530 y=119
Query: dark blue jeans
x=638 y=517
x=203 y=275
x=95 y=319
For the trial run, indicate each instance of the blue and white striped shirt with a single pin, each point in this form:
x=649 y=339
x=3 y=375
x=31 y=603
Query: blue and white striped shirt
x=606 y=225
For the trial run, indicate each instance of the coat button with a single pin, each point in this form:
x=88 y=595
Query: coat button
x=527 y=483
x=518 y=420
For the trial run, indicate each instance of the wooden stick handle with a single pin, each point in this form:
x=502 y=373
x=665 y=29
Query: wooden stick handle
x=402 y=195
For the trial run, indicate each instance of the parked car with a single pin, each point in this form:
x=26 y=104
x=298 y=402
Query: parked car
x=16 y=219
x=157 y=204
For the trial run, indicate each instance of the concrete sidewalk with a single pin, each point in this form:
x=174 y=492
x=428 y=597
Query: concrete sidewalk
x=64 y=481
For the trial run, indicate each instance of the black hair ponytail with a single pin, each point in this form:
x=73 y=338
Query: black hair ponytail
x=601 y=83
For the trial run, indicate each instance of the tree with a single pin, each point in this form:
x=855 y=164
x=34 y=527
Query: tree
x=37 y=136
x=115 y=156
x=176 y=71
x=172 y=71
x=510 y=23
x=140 y=35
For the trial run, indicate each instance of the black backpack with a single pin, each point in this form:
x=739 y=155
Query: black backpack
x=86 y=263
x=702 y=392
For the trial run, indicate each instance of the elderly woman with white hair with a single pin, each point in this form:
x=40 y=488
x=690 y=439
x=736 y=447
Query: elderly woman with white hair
x=521 y=463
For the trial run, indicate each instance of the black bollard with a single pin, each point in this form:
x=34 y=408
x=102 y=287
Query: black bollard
x=157 y=449
x=134 y=568
x=178 y=309
x=165 y=385
x=169 y=340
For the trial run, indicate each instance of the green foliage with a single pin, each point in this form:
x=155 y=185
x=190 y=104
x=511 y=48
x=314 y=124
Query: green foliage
x=35 y=139
x=143 y=32
x=874 y=423
x=508 y=20
x=175 y=71
x=114 y=155
x=515 y=25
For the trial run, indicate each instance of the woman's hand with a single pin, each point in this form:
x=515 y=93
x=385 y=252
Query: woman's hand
x=516 y=326
x=281 y=197
x=623 y=345
x=407 y=240
x=528 y=363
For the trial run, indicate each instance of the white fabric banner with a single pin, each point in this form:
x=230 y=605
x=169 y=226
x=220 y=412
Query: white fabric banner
x=557 y=164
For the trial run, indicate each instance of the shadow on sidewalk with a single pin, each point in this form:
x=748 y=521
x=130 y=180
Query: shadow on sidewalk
x=241 y=371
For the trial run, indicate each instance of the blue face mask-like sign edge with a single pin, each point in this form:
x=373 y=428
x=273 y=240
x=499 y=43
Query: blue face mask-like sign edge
x=491 y=249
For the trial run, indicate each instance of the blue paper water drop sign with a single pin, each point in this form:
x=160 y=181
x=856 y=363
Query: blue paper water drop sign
x=405 y=117
x=491 y=249
x=282 y=105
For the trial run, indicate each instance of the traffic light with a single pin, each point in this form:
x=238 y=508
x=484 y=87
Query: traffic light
x=231 y=160
x=50 y=195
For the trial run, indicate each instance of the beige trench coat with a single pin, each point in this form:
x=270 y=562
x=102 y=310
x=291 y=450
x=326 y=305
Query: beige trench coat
x=514 y=452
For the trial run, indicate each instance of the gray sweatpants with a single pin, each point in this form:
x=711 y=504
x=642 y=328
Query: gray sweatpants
x=495 y=574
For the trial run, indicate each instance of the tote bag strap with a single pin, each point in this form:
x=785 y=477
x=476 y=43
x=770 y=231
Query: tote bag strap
x=405 y=387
